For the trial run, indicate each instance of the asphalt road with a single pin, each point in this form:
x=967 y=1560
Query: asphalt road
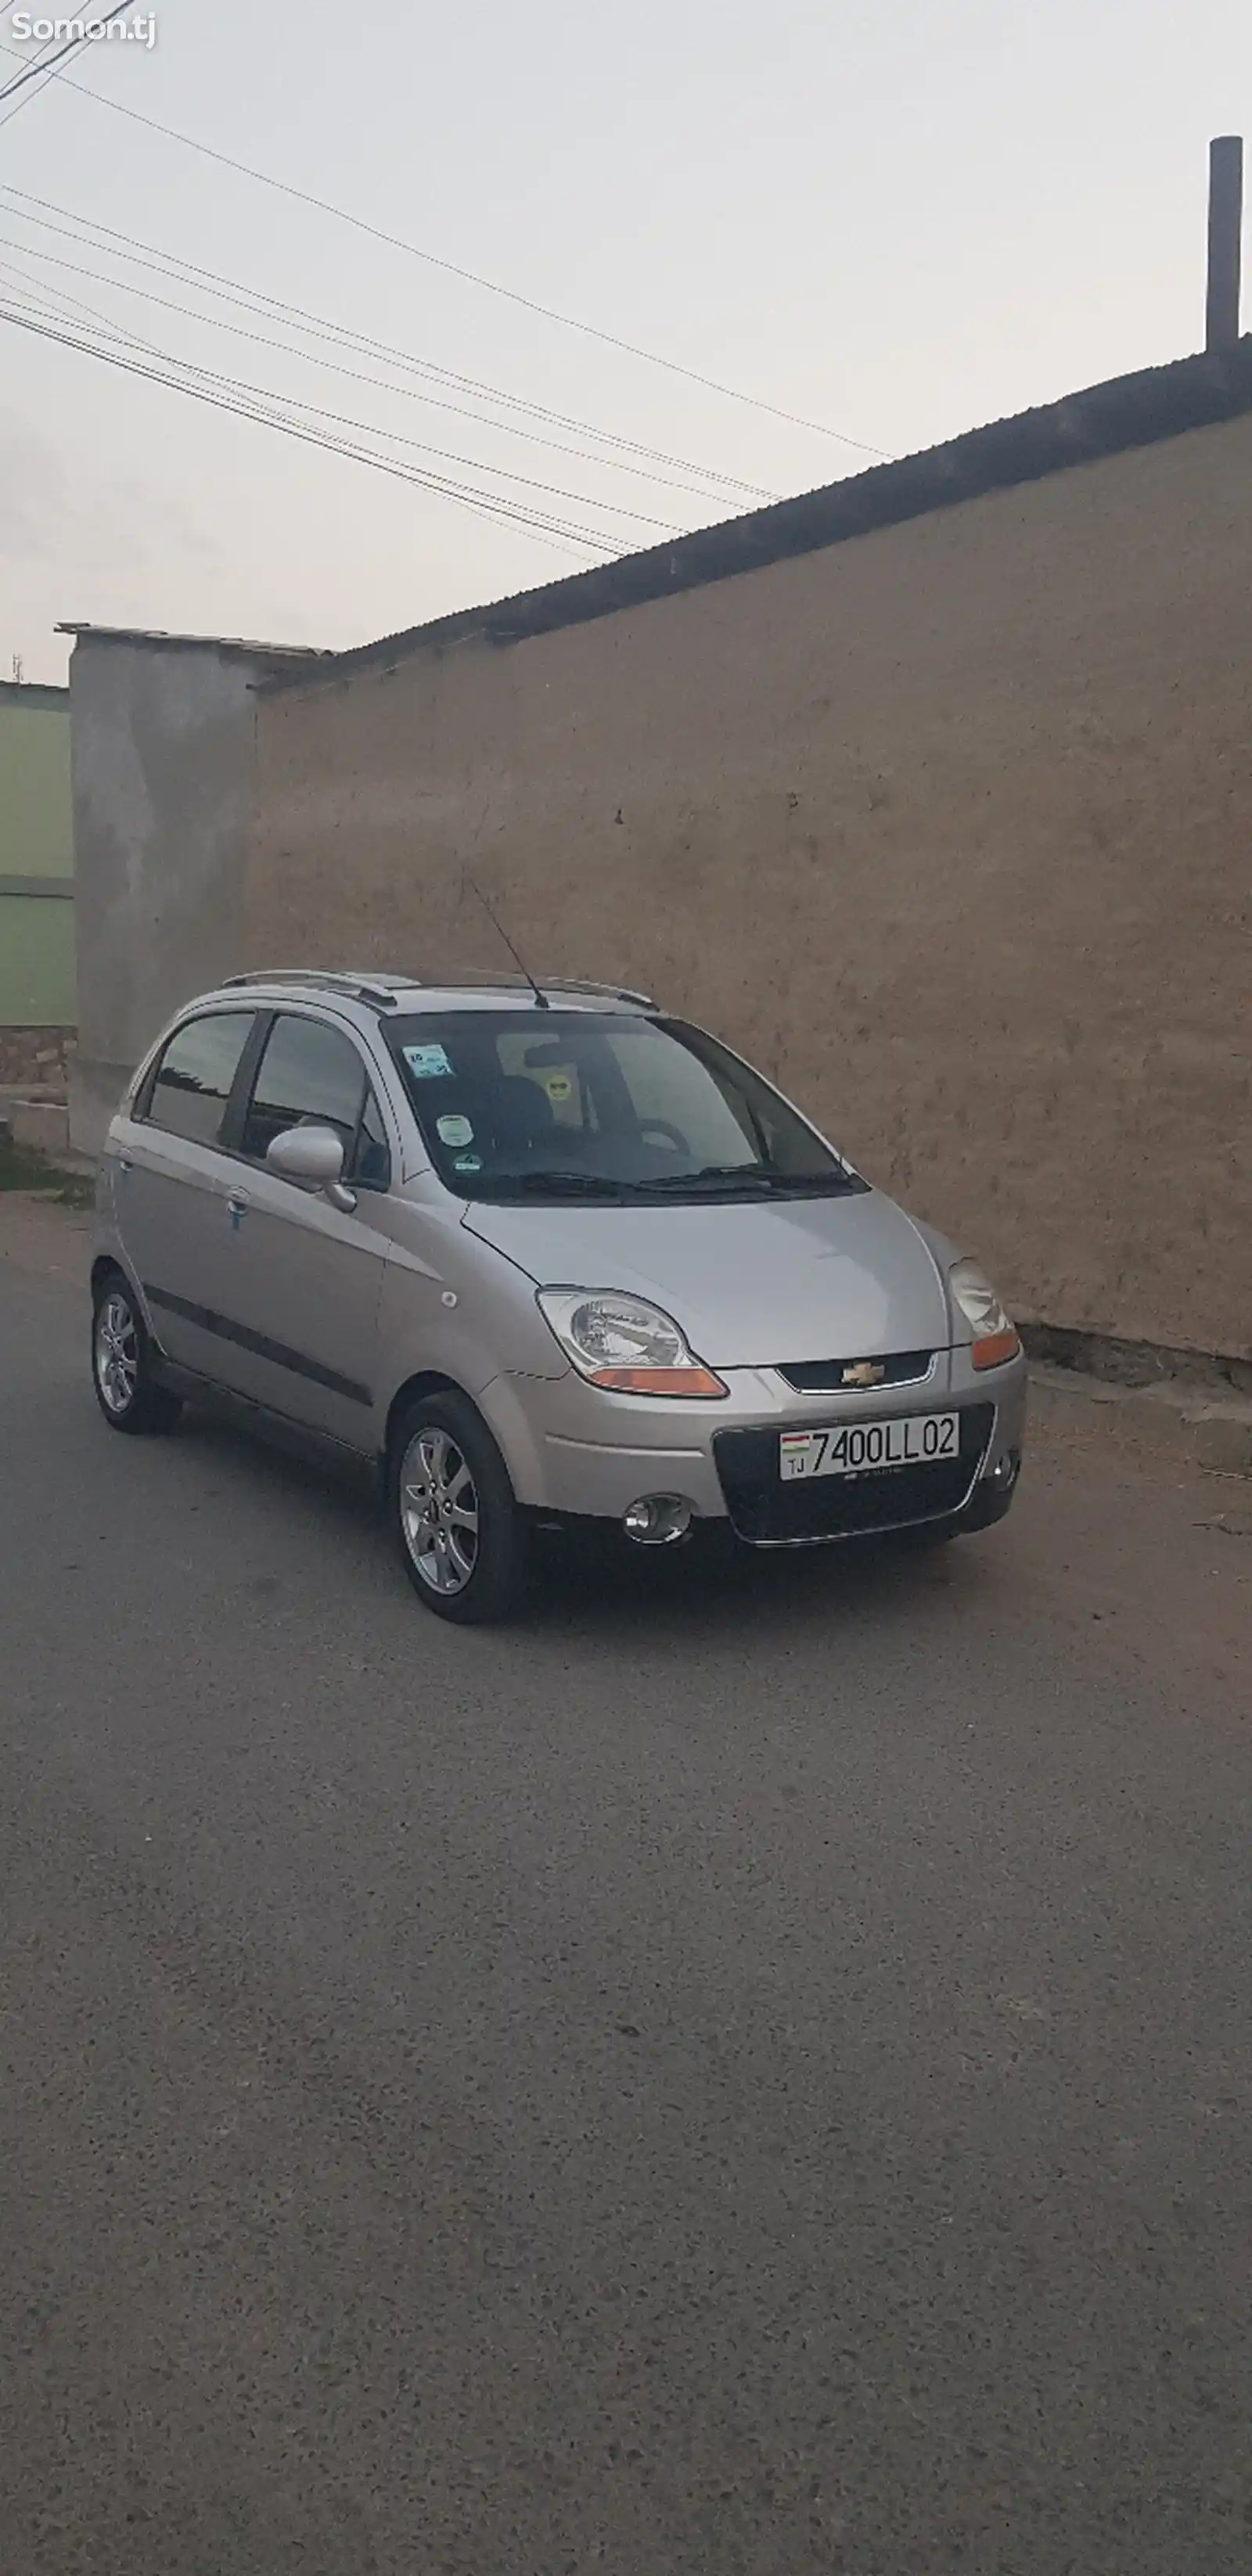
x=747 y=2076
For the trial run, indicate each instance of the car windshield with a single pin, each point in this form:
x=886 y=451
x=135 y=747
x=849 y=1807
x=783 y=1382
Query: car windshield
x=601 y=1107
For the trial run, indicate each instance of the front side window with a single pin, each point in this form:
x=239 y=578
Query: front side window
x=310 y=1074
x=563 y=1105
x=192 y=1084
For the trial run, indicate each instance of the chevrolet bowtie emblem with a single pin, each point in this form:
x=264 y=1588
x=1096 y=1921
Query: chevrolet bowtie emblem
x=864 y=1373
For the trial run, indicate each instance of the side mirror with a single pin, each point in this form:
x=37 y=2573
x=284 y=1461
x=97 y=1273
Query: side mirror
x=313 y=1156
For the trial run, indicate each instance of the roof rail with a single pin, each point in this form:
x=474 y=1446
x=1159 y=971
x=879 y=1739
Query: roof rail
x=383 y=995
x=321 y=979
x=508 y=977
x=586 y=984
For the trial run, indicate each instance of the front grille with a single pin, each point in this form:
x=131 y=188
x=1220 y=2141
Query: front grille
x=825 y=1377
x=770 y=1514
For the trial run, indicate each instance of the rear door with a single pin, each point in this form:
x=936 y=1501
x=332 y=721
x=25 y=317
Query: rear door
x=173 y=1179
x=303 y=1278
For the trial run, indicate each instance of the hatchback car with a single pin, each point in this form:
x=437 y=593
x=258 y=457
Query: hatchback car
x=544 y=1256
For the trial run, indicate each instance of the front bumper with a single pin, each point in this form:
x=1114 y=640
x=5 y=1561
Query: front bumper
x=574 y=1451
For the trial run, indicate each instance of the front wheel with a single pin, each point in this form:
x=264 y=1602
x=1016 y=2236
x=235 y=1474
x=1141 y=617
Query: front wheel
x=122 y=1363
x=463 y=1542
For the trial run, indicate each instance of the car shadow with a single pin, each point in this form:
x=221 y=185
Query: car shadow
x=728 y=1592
x=599 y=1585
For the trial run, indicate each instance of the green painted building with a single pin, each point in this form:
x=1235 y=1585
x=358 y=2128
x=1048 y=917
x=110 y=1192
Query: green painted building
x=37 y=973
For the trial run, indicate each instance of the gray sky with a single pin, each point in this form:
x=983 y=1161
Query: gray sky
x=896 y=218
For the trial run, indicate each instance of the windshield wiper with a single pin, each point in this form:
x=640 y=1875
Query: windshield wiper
x=817 y=1184
x=713 y=1181
x=577 y=1184
x=757 y=1177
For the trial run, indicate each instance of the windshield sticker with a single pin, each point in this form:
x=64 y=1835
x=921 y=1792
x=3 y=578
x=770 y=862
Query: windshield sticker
x=455 y=1131
x=425 y=1061
x=467 y=1163
x=558 y=1086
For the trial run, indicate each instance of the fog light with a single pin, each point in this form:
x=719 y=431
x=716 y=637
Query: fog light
x=1003 y=1476
x=656 y=1520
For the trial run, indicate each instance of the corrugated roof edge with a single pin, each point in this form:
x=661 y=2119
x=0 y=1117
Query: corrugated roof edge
x=34 y=693
x=1102 y=420
x=83 y=630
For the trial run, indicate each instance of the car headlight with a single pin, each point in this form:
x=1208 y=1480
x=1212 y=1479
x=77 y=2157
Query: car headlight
x=624 y=1344
x=994 y=1334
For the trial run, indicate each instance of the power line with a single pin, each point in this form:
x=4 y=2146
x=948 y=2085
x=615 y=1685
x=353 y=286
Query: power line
x=528 y=523
x=48 y=63
x=169 y=266
x=318 y=411
x=28 y=96
x=48 y=72
x=469 y=276
x=493 y=505
x=261 y=339
x=208 y=281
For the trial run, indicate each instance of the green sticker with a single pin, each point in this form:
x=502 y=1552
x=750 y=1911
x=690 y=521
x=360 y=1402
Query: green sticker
x=467 y=1163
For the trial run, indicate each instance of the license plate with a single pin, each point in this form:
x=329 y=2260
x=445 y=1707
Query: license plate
x=853 y=1448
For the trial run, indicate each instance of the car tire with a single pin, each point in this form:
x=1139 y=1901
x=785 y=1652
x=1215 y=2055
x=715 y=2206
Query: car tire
x=464 y=1543
x=123 y=1362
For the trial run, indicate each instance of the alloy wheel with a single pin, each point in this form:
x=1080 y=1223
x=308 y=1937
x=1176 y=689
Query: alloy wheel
x=117 y=1353
x=439 y=1510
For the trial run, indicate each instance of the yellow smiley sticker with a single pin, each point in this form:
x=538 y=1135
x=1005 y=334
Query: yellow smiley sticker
x=558 y=1087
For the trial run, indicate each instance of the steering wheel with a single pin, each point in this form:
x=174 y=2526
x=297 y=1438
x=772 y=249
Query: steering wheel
x=671 y=1135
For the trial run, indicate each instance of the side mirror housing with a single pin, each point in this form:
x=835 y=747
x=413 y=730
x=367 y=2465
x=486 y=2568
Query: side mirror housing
x=313 y=1156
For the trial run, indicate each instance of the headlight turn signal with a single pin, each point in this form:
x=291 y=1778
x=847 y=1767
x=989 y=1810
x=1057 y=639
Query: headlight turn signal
x=625 y=1344
x=644 y=1381
x=995 y=1338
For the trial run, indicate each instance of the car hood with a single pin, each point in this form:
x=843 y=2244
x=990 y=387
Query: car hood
x=753 y=1286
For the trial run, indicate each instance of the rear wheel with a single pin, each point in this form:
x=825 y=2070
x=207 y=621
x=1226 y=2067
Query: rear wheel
x=463 y=1542
x=123 y=1363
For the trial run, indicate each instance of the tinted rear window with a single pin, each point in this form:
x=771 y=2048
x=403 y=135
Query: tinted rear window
x=195 y=1074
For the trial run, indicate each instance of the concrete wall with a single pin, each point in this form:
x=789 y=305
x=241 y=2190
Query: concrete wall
x=37 y=989
x=163 y=738
x=947 y=827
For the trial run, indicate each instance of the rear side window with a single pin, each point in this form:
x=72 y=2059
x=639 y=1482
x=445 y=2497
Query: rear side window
x=193 y=1080
x=311 y=1074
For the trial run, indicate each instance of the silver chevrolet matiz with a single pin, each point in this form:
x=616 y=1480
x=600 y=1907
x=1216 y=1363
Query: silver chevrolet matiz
x=545 y=1257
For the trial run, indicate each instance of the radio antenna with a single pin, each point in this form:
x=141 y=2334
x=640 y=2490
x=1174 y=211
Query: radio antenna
x=541 y=999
